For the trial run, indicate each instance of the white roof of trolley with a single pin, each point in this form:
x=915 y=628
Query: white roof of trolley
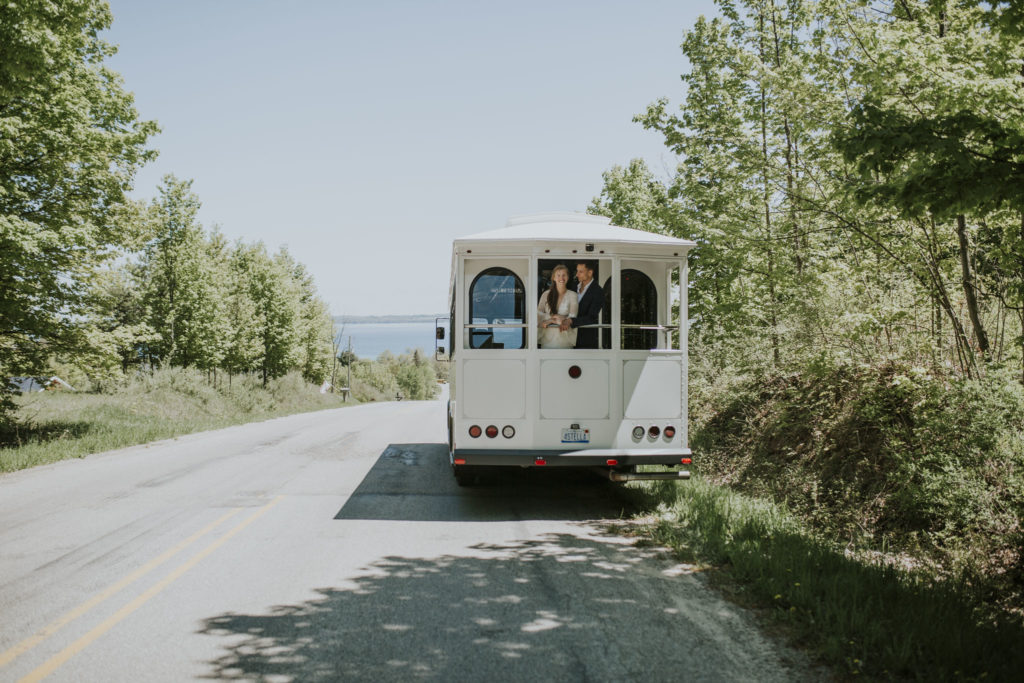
x=570 y=231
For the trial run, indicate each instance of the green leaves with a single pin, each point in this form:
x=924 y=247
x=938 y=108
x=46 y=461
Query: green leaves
x=938 y=129
x=70 y=143
x=852 y=173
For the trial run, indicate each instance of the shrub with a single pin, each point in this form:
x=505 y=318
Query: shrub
x=889 y=457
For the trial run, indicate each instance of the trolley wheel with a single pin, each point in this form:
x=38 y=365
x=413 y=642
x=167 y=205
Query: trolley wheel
x=466 y=475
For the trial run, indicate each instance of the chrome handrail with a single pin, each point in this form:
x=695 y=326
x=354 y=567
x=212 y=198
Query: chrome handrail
x=603 y=326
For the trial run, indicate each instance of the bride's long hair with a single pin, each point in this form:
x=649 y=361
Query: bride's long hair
x=553 y=290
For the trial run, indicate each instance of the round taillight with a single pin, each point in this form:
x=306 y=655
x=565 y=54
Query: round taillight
x=575 y=371
x=508 y=431
x=475 y=431
x=670 y=431
x=638 y=432
x=654 y=431
x=491 y=431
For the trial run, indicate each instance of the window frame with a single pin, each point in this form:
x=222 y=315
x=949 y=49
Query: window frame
x=645 y=329
x=520 y=293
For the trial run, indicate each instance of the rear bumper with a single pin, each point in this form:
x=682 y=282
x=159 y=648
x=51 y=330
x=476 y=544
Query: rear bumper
x=595 y=457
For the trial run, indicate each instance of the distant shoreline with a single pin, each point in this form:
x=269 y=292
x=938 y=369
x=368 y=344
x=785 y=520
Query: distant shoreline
x=384 y=319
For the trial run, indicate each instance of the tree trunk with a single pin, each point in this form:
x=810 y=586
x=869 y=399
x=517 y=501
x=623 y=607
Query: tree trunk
x=970 y=293
x=790 y=151
x=769 y=250
x=1021 y=312
x=967 y=358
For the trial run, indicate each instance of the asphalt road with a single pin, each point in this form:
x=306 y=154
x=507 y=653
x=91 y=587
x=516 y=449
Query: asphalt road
x=337 y=546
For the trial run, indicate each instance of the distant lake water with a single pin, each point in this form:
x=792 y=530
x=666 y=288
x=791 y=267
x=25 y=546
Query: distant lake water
x=369 y=340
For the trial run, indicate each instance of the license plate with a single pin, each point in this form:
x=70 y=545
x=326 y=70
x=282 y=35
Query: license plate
x=575 y=436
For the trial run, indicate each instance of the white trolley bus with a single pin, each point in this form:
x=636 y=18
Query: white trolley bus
x=614 y=407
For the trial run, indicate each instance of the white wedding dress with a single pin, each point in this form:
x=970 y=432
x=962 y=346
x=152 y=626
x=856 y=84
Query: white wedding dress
x=552 y=337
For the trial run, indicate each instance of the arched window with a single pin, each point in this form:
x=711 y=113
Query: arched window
x=639 y=304
x=497 y=297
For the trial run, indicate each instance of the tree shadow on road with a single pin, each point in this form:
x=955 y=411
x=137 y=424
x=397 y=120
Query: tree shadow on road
x=413 y=482
x=557 y=608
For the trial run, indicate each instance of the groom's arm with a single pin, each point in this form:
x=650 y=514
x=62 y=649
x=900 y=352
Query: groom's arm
x=594 y=303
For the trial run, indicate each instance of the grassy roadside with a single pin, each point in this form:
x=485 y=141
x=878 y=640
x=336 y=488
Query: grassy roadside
x=55 y=426
x=875 y=512
x=865 y=615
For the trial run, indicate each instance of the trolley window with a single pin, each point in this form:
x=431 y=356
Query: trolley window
x=639 y=311
x=497 y=306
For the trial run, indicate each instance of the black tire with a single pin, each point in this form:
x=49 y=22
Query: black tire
x=466 y=475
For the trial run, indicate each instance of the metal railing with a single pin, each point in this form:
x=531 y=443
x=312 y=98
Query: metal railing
x=662 y=329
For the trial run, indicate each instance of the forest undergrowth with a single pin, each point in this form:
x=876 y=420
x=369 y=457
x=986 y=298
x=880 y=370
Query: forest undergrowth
x=925 y=470
x=875 y=511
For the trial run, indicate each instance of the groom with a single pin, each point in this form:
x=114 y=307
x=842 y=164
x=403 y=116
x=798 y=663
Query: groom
x=591 y=301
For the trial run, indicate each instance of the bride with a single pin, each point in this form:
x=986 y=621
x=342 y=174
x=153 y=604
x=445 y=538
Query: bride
x=556 y=305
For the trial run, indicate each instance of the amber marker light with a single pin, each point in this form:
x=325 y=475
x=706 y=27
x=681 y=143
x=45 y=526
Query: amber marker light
x=475 y=431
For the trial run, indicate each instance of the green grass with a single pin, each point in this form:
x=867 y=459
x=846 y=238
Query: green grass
x=54 y=426
x=872 y=618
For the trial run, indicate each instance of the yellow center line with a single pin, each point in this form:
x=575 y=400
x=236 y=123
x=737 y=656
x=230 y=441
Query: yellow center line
x=51 y=628
x=70 y=651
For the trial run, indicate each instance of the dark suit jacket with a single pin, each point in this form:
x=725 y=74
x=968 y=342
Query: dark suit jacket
x=589 y=308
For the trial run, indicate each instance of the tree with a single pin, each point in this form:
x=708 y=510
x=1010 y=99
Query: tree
x=119 y=314
x=70 y=144
x=243 y=349
x=184 y=288
x=937 y=133
x=850 y=171
x=744 y=134
x=315 y=326
x=275 y=299
x=415 y=379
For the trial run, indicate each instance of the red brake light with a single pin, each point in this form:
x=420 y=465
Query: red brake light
x=654 y=431
x=575 y=371
x=475 y=431
x=492 y=431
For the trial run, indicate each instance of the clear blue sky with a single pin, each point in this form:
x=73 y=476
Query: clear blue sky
x=366 y=136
